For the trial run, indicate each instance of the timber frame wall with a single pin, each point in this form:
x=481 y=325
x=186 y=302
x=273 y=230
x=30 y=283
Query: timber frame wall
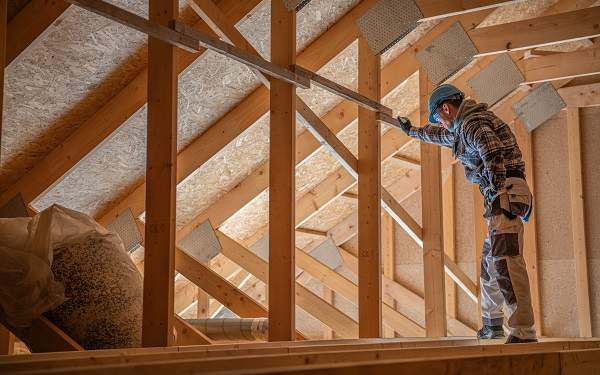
x=169 y=51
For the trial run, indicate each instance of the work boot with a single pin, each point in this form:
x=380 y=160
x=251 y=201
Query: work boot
x=516 y=340
x=490 y=332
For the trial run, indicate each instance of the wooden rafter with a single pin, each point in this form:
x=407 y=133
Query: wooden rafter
x=581 y=96
x=30 y=25
x=541 y=31
x=560 y=66
x=433 y=9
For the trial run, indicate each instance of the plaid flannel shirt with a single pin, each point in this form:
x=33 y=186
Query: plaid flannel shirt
x=482 y=142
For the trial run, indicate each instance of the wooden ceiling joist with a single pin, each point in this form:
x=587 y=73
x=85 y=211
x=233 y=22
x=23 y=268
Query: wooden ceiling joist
x=581 y=96
x=541 y=31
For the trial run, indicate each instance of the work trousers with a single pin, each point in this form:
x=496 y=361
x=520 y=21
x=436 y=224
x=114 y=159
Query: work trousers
x=503 y=273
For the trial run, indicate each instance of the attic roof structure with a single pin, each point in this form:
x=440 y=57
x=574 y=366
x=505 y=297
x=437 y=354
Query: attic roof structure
x=233 y=158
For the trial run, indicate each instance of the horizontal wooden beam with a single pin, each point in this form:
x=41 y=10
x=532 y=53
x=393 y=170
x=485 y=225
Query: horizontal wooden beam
x=342 y=91
x=406 y=162
x=581 y=96
x=138 y=23
x=433 y=9
x=561 y=66
x=241 y=55
x=537 y=32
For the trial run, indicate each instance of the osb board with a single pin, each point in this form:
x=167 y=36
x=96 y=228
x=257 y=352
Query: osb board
x=466 y=308
x=558 y=297
x=594 y=269
x=519 y=11
x=330 y=215
x=61 y=83
x=223 y=83
x=464 y=222
x=407 y=41
x=590 y=123
x=552 y=198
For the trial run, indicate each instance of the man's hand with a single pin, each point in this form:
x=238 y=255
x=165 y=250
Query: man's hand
x=405 y=125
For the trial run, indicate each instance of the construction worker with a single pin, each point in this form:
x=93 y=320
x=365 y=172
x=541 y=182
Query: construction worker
x=491 y=158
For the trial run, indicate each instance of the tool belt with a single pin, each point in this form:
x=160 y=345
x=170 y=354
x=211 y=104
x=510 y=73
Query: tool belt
x=501 y=205
x=515 y=173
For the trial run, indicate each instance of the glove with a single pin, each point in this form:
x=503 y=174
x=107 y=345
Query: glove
x=404 y=124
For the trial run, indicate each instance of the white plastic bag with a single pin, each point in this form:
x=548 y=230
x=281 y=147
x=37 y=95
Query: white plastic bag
x=27 y=285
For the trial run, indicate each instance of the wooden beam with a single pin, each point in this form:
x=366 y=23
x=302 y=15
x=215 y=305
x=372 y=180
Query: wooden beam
x=187 y=334
x=400 y=323
x=311 y=232
x=152 y=29
x=369 y=196
x=449 y=243
x=434 y=9
x=537 y=32
x=560 y=66
x=241 y=55
x=42 y=336
x=405 y=296
x=30 y=25
x=343 y=91
x=581 y=96
x=327 y=297
x=89 y=135
x=406 y=162
x=308 y=301
x=433 y=245
x=388 y=263
x=282 y=171
x=3 y=41
x=159 y=239
x=530 y=250
x=7 y=341
x=578 y=223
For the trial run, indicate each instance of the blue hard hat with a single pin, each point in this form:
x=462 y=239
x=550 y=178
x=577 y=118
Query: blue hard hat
x=439 y=94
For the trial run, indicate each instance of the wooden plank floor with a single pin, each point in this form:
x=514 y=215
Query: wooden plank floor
x=366 y=356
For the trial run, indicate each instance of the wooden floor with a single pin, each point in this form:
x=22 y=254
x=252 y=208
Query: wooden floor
x=365 y=356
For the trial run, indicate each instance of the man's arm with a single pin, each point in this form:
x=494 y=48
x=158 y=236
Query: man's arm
x=429 y=133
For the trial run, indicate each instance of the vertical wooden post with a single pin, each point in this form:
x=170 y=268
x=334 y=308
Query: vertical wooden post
x=3 y=21
x=530 y=250
x=327 y=297
x=578 y=223
x=388 y=263
x=161 y=185
x=433 y=244
x=7 y=341
x=282 y=169
x=481 y=230
x=203 y=306
x=449 y=248
x=369 y=197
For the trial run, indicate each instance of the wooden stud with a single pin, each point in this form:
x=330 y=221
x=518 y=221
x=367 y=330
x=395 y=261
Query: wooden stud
x=530 y=251
x=449 y=245
x=433 y=245
x=282 y=170
x=389 y=263
x=327 y=297
x=7 y=341
x=159 y=256
x=3 y=42
x=578 y=223
x=541 y=31
x=369 y=196
x=581 y=96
